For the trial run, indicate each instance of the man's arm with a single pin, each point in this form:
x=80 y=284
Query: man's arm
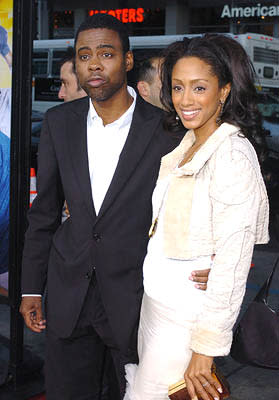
x=201 y=277
x=44 y=218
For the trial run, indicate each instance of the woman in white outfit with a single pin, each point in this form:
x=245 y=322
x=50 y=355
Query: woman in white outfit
x=210 y=199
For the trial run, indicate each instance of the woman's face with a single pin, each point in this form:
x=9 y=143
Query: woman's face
x=196 y=94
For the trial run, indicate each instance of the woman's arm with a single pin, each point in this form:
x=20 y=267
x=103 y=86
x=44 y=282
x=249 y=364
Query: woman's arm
x=235 y=197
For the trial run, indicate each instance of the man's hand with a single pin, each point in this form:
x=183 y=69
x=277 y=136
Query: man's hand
x=201 y=277
x=31 y=310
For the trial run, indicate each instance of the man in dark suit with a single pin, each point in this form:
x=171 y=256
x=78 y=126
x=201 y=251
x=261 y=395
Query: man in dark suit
x=101 y=155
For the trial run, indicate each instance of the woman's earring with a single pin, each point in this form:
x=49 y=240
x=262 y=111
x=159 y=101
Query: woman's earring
x=219 y=118
x=177 y=118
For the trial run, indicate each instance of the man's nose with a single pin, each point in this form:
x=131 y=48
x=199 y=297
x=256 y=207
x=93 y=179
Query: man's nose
x=95 y=64
x=61 y=93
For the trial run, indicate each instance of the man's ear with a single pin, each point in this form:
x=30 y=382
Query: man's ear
x=143 y=89
x=129 y=60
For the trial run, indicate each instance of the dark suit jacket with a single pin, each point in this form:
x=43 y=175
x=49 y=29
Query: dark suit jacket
x=114 y=242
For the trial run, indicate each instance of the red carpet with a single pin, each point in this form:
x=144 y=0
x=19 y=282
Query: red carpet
x=38 y=397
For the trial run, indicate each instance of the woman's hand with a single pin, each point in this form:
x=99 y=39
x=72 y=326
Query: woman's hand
x=199 y=380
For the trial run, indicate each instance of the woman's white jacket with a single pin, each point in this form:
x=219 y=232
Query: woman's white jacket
x=216 y=204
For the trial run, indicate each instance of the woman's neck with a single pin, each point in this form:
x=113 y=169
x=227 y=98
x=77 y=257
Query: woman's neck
x=203 y=133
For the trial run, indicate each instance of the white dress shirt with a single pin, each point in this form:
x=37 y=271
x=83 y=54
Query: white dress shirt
x=104 y=145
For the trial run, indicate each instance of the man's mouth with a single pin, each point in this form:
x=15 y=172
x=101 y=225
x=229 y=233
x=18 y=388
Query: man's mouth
x=96 y=82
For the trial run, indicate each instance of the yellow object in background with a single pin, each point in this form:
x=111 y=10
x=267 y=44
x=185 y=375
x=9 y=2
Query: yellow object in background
x=6 y=21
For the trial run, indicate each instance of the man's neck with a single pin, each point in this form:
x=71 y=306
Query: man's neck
x=112 y=109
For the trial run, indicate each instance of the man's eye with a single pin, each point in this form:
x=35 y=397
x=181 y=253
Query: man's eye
x=107 y=55
x=84 y=57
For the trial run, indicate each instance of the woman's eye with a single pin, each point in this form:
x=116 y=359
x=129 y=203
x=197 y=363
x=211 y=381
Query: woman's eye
x=84 y=57
x=176 y=88
x=107 y=55
x=199 y=89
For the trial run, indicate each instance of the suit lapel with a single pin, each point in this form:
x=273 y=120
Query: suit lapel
x=142 y=129
x=77 y=126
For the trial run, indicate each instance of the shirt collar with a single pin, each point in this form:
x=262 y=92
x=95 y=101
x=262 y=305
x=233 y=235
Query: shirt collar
x=125 y=118
x=170 y=162
x=208 y=148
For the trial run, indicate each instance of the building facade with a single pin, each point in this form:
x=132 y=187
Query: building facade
x=61 y=18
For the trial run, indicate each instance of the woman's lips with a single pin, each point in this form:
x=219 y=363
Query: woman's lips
x=189 y=115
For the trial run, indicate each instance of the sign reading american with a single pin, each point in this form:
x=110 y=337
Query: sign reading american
x=252 y=11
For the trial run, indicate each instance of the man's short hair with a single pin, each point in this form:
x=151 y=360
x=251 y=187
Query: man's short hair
x=69 y=56
x=106 y=21
x=146 y=70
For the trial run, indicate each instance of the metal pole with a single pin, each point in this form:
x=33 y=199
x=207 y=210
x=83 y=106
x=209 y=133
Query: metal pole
x=39 y=17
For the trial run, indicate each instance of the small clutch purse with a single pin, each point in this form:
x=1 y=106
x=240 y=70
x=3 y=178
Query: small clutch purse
x=179 y=391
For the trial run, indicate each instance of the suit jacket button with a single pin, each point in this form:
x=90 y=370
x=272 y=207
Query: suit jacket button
x=96 y=237
x=89 y=274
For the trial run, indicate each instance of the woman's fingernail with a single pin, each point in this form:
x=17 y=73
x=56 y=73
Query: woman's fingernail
x=191 y=278
x=220 y=390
